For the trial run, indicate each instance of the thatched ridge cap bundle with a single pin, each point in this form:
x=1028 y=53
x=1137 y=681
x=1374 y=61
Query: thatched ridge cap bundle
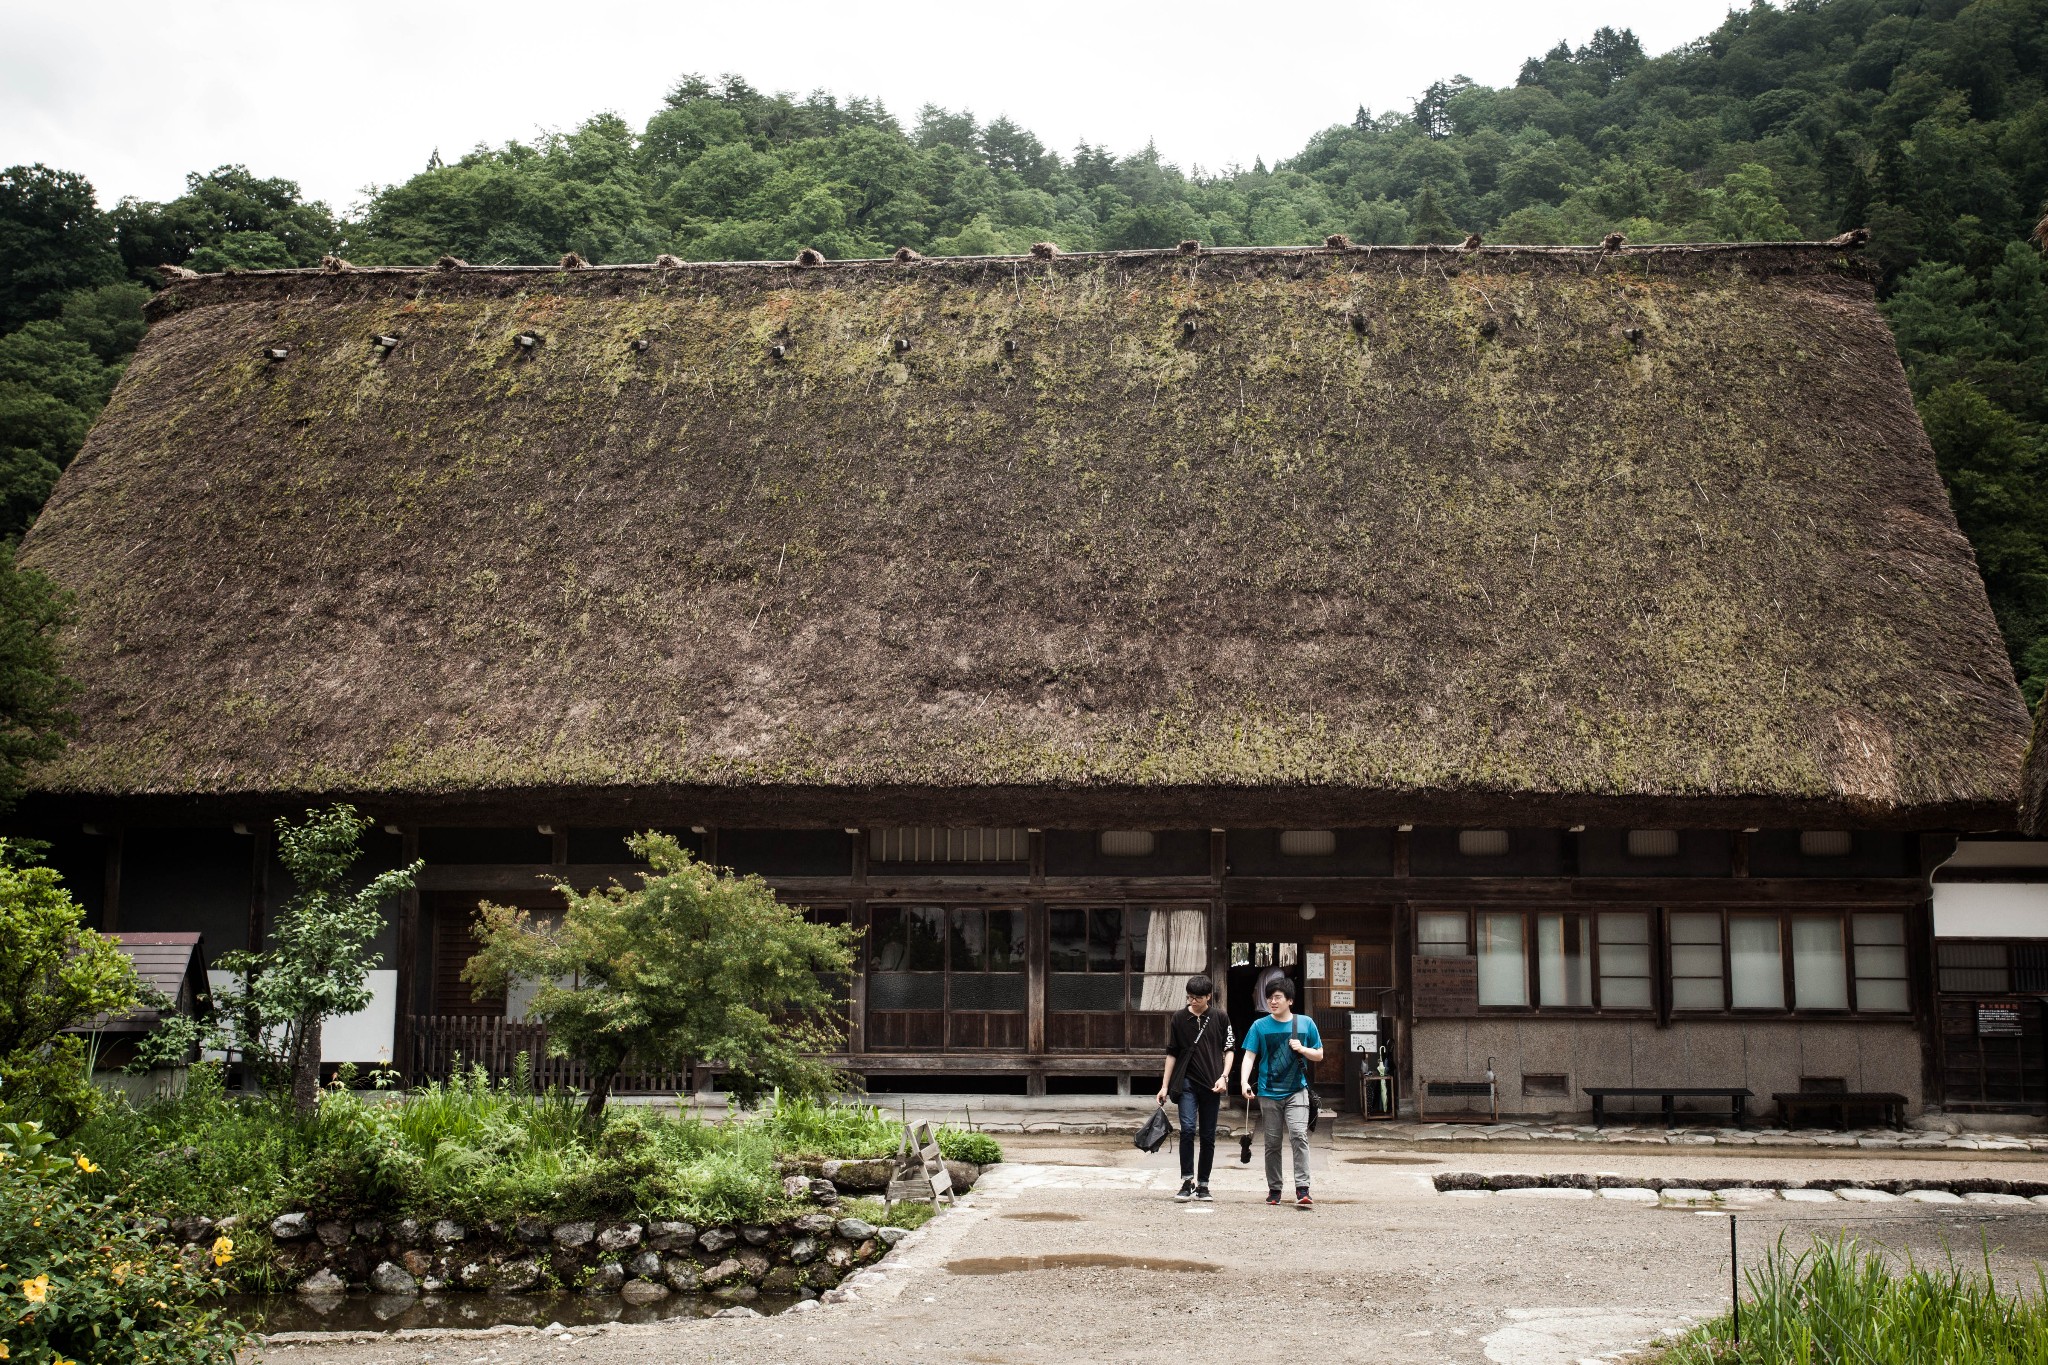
x=1505 y=535
x=1719 y=253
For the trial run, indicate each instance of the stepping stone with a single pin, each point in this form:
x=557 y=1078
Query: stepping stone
x=1544 y=1192
x=1630 y=1196
x=1877 y=1142
x=1678 y=1196
x=2041 y=1199
x=1468 y=1194
x=1934 y=1197
x=1867 y=1196
x=1808 y=1196
x=1834 y=1140
x=1749 y=1196
x=1988 y=1198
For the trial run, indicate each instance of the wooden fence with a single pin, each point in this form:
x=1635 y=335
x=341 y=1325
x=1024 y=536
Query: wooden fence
x=445 y=1045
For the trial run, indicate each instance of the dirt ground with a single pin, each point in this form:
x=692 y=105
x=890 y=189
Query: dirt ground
x=1076 y=1251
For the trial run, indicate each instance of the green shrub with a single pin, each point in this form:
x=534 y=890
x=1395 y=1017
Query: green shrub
x=957 y=1144
x=84 y=1283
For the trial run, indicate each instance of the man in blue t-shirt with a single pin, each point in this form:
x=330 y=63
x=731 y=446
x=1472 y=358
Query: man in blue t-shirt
x=1282 y=1045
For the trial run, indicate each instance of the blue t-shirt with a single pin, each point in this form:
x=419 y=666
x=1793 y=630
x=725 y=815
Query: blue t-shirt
x=1282 y=1070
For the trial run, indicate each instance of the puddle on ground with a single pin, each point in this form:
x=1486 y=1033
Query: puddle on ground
x=1072 y=1260
x=1046 y=1217
x=401 y=1312
x=1390 y=1159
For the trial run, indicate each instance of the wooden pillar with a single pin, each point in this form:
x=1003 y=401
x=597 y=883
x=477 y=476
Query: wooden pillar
x=408 y=959
x=259 y=886
x=857 y=916
x=1219 y=913
x=558 y=852
x=1038 y=945
x=1738 y=857
x=110 y=909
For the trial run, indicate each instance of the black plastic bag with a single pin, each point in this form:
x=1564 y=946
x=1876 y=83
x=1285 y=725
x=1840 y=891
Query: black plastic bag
x=1152 y=1135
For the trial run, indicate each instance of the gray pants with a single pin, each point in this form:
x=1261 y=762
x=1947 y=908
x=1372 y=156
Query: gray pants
x=1293 y=1111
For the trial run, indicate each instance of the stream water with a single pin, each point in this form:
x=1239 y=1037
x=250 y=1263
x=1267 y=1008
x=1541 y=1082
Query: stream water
x=271 y=1313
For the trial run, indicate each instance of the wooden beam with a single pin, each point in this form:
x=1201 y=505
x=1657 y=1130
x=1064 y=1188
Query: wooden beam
x=1003 y=1063
x=1897 y=892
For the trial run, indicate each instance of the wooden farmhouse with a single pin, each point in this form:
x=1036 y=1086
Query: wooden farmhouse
x=1564 y=662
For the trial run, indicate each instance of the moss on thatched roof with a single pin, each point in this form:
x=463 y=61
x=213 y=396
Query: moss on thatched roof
x=1341 y=532
x=2034 y=796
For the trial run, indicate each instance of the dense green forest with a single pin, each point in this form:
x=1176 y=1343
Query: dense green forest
x=1925 y=120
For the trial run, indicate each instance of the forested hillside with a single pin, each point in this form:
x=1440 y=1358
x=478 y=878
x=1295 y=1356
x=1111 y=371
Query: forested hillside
x=1926 y=120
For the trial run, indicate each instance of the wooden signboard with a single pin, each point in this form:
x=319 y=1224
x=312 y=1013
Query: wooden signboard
x=1446 y=987
x=1997 y=1019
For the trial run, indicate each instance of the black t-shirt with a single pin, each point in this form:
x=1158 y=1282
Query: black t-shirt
x=1200 y=1046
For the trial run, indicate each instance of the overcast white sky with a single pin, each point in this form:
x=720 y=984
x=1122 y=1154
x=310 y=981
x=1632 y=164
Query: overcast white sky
x=339 y=97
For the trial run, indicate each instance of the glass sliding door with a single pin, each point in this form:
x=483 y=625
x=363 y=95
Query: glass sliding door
x=948 y=977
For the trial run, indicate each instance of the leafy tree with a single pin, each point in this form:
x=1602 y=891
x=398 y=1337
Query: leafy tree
x=694 y=965
x=226 y=219
x=1431 y=223
x=320 y=963
x=55 y=975
x=53 y=239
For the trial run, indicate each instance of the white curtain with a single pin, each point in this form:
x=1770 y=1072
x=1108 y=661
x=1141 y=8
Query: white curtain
x=1820 y=977
x=1756 y=963
x=1503 y=960
x=1176 y=948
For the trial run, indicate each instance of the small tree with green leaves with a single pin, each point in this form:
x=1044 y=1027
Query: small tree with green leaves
x=320 y=962
x=55 y=974
x=693 y=966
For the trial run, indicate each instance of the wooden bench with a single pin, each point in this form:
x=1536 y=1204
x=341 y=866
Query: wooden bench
x=1735 y=1095
x=1892 y=1105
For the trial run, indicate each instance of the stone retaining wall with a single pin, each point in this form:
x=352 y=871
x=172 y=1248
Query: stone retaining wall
x=643 y=1261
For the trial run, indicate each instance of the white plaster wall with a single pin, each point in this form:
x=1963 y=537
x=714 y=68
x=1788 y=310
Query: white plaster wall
x=1991 y=909
x=365 y=1036
x=1762 y=1055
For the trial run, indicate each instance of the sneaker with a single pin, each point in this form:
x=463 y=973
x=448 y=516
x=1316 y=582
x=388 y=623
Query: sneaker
x=1203 y=1196
x=1187 y=1191
x=1302 y=1201
x=1272 y=1196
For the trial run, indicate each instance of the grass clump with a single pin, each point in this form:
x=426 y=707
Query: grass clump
x=475 y=1150
x=1842 y=1301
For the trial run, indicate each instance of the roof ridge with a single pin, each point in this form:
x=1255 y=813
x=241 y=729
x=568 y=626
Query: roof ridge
x=1489 y=250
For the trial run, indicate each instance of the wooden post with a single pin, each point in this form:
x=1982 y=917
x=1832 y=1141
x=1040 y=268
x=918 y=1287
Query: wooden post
x=857 y=916
x=559 y=851
x=110 y=907
x=1219 y=914
x=259 y=886
x=408 y=957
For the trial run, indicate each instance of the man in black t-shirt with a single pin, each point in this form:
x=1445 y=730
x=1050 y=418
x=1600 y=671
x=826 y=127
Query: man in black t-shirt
x=1198 y=1045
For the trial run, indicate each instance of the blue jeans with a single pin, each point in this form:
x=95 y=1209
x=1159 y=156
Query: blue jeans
x=1198 y=1107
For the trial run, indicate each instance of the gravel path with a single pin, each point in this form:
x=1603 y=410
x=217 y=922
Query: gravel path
x=1076 y=1251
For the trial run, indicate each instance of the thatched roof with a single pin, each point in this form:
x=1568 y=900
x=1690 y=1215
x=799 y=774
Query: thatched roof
x=1332 y=534
x=2034 y=798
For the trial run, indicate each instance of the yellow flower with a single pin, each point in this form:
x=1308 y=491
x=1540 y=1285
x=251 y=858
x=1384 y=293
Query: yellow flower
x=36 y=1290
x=86 y=1165
x=60 y=1360
x=3 y=1350
x=223 y=1250
x=120 y=1273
